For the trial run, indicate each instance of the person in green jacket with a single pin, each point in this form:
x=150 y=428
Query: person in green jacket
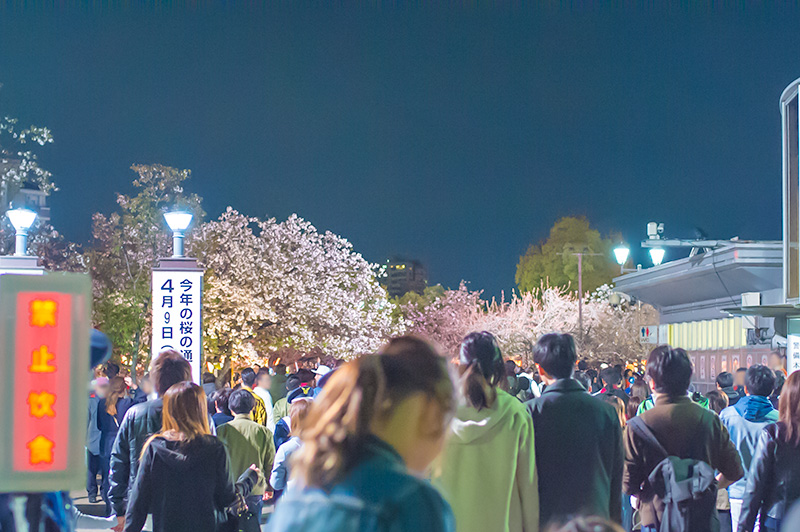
x=247 y=443
x=488 y=467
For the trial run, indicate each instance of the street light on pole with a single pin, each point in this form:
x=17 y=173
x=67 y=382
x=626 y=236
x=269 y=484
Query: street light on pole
x=22 y=220
x=178 y=222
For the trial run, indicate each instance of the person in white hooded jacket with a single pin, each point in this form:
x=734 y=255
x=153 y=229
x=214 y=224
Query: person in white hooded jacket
x=488 y=468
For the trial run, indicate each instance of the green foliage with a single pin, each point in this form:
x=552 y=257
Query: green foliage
x=554 y=263
x=125 y=247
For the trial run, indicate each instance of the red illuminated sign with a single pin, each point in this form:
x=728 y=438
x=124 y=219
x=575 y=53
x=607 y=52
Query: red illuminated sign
x=42 y=346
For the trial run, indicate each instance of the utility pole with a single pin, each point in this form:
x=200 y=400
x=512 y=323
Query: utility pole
x=580 y=254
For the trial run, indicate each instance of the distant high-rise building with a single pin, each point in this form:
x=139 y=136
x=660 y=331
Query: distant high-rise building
x=405 y=276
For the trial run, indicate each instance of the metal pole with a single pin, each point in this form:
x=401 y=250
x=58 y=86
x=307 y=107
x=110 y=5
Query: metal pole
x=580 y=295
x=21 y=244
x=177 y=244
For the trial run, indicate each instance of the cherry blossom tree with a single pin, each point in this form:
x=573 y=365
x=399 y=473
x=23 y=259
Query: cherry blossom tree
x=285 y=287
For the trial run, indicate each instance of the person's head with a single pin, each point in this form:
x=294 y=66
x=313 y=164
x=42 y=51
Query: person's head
x=248 y=377
x=586 y=524
x=780 y=380
x=209 y=378
x=185 y=415
x=402 y=395
x=640 y=389
x=718 y=400
x=776 y=360
x=116 y=389
x=167 y=369
x=760 y=380
x=298 y=411
x=221 y=398
x=146 y=384
x=482 y=369
x=583 y=365
x=619 y=406
x=585 y=380
x=241 y=402
x=670 y=370
x=306 y=376
x=100 y=386
x=292 y=382
x=279 y=369
x=611 y=376
x=789 y=407
x=739 y=377
x=511 y=367
x=555 y=356
x=263 y=378
x=724 y=380
x=111 y=369
x=632 y=407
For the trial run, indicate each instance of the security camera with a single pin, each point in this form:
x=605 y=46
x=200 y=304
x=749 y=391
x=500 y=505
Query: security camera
x=655 y=230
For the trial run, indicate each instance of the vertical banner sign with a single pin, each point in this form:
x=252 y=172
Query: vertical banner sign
x=44 y=348
x=177 y=319
x=793 y=353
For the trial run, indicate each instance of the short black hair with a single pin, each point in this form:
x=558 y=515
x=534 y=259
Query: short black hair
x=741 y=370
x=725 y=379
x=248 y=377
x=555 y=353
x=670 y=369
x=611 y=376
x=261 y=372
x=209 y=378
x=242 y=402
x=306 y=375
x=220 y=398
x=585 y=380
x=760 y=380
x=292 y=382
x=583 y=365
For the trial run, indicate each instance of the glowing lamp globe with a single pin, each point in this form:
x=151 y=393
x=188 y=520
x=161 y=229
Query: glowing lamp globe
x=657 y=255
x=21 y=219
x=621 y=254
x=178 y=221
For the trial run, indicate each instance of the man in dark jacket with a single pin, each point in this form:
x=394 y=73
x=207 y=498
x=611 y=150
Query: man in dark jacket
x=612 y=377
x=683 y=428
x=578 y=440
x=725 y=385
x=141 y=422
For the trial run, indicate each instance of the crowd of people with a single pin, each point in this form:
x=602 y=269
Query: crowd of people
x=401 y=440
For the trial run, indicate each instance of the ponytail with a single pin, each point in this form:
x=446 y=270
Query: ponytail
x=338 y=424
x=485 y=371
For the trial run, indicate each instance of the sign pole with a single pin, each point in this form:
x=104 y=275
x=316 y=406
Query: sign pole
x=177 y=310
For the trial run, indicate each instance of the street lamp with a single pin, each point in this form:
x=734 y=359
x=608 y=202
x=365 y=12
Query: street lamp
x=657 y=255
x=22 y=220
x=621 y=253
x=178 y=222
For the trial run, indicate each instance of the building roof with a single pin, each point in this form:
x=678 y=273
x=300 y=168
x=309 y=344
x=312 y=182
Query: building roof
x=699 y=287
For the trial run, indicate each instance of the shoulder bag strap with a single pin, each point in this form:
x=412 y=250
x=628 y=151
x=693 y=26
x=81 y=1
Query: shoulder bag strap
x=641 y=428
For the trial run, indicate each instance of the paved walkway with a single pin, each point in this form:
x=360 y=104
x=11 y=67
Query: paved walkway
x=82 y=502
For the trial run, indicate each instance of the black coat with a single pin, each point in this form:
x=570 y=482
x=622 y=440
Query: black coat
x=578 y=453
x=183 y=484
x=773 y=482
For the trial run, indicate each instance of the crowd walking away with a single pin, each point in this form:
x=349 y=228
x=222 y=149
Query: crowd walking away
x=413 y=439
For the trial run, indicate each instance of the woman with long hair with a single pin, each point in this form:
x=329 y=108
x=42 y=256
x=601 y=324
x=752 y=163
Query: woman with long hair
x=773 y=482
x=110 y=411
x=183 y=471
x=368 y=438
x=488 y=469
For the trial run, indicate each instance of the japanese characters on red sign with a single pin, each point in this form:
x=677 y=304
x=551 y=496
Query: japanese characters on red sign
x=42 y=381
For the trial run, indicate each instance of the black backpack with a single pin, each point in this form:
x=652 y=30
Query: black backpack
x=687 y=487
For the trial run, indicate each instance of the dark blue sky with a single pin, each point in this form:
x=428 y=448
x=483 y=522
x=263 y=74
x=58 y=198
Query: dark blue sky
x=456 y=136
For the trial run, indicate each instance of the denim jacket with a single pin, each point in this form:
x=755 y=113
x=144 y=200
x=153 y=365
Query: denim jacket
x=745 y=421
x=377 y=495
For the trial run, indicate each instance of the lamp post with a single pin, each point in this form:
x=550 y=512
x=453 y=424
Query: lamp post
x=177 y=286
x=657 y=255
x=20 y=262
x=178 y=222
x=22 y=220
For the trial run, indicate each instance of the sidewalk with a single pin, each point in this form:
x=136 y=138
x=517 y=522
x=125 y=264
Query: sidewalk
x=81 y=500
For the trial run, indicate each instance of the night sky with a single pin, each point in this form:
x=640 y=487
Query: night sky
x=453 y=136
